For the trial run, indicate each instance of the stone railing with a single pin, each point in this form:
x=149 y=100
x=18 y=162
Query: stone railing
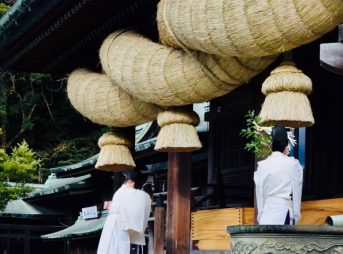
x=272 y=239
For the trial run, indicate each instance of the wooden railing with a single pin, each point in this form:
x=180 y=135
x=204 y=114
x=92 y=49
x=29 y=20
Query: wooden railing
x=209 y=226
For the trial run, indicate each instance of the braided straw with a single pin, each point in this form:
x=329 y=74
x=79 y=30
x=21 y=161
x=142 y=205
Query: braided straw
x=177 y=115
x=245 y=27
x=164 y=76
x=287 y=77
x=288 y=108
x=286 y=101
x=114 y=152
x=114 y=138
x=96 y=97
x=178 y=133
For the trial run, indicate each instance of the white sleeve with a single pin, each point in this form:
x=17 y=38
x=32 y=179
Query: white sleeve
x=297 y=191
x=259 y=194
x=147 y=210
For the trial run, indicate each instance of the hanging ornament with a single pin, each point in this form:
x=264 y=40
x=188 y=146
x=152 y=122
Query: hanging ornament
x=286 y=101
x=114 y=153
x=178 y=133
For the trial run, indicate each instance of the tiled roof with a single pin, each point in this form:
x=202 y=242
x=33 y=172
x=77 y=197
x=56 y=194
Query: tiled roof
x=80 y=228
x=90 y=162
x=55 y=185
x=20 y=208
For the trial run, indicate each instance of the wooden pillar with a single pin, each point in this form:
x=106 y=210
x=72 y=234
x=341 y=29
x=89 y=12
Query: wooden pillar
x=67 y=246
x=8 y=241
x=178 y=203
x=255 y=202
x=159 y=229
x=27 y=242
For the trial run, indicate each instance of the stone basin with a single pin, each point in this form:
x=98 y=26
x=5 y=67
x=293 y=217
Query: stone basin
x=273 y=239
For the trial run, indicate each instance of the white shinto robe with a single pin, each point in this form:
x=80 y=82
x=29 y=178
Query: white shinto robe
x=126 y=222
x=276 y=178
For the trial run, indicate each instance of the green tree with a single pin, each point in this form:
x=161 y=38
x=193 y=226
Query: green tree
x=18 y=168
x=21 y=97
x=35 y=107
x=3 y=9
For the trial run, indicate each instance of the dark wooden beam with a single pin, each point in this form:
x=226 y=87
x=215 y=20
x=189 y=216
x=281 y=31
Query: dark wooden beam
x=178 y=203
x=32 y=227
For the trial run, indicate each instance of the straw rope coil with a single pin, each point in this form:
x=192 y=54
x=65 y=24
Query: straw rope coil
x=177 y=115
x=178 y=133
x=114 y=138
x=286 y=101
x=114 y=152
x=287 y=77
x=161 y=75
x=246 y=27
x=96 y=97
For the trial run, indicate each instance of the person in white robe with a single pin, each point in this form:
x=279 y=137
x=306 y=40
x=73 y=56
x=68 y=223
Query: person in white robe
x=127 y=219
x=278 y=181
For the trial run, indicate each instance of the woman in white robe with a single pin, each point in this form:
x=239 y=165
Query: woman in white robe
x=278 y=180
x=127 y=219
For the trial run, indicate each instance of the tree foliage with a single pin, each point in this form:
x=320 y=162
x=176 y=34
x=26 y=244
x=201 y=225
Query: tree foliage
x=22 y=165
x=18 y=168
x=3 y=9
x=35 y=107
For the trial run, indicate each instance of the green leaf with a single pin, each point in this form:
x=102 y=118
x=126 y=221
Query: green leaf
x=260 y=142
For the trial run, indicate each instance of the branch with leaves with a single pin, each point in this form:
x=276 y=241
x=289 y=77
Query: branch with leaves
x=259 y=139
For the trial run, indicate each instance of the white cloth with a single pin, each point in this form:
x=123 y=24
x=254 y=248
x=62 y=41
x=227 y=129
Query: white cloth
x=126 y=222
x=276 y=178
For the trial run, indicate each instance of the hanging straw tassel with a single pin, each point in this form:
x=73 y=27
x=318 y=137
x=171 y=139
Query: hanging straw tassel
x=286 y=102
x=114 y=152
x=178 y=133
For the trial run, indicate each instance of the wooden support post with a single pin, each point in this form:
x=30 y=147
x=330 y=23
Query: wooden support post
x=178 y=203
x=255 y=201
x=159 y=229
x=27 y=242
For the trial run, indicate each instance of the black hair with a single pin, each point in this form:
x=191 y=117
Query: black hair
x=279 y=146
x=279 y=138
x=130 y=174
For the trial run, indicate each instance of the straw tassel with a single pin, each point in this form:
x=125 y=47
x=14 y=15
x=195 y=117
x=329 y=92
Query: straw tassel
x=114 y=152
x=286 y=102
x=178 y=133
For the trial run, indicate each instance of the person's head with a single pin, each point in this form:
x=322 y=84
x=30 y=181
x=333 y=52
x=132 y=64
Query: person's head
x=130 y=177
x=279 y=139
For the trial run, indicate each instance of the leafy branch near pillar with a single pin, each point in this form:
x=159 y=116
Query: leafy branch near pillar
x=259 y=139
